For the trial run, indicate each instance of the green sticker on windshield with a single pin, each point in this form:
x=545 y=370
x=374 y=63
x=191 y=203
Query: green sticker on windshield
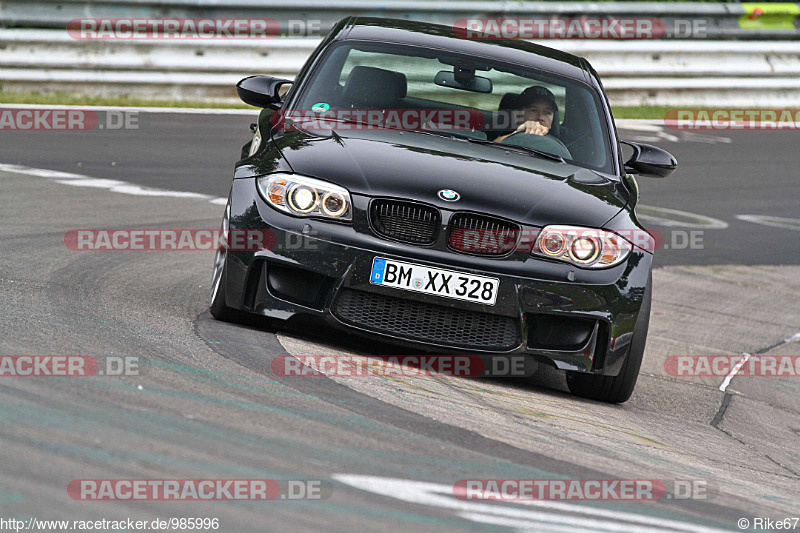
x=320 y=107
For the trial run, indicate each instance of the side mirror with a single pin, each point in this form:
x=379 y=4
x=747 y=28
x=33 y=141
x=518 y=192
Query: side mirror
x=650 y=161
x=261 y=91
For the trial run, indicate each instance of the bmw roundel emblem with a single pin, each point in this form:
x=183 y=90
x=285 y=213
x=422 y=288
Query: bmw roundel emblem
x=449 y=195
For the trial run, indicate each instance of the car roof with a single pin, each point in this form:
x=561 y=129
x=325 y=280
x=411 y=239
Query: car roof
x=443 y=37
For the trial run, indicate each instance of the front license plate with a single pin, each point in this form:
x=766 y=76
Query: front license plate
x=447 y=283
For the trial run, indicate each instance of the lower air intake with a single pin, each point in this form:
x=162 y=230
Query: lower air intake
x=424 y=322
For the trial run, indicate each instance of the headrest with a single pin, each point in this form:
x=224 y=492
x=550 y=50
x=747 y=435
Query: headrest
x=508 y=101
x=374 y=88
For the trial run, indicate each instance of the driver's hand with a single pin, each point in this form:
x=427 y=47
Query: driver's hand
x=532 y=127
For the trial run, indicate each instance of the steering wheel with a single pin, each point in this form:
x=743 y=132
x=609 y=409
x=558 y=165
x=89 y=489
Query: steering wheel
x=543 y=143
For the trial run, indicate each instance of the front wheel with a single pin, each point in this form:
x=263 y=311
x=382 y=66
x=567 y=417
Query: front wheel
x=617 y=389
x=219 y=309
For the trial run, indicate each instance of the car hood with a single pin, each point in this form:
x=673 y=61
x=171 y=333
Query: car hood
x=413 y=165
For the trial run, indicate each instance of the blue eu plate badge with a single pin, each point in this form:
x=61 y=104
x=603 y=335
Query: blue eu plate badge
x=378 y=270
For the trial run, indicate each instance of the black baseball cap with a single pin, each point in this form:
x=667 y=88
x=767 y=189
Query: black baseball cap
x=535 y=94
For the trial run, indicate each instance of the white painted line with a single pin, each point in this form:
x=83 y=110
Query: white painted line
x=132 y=189
x=92 y=182
x=523 y=525
x=565 y=523
x=793 y=338
x=584 y=516
x=674 y=218
x=746 y=356
x=122 y=187
x=774 y=222
x=734 y=371
x=651 y=125
x=40 y=172
x=182 y=110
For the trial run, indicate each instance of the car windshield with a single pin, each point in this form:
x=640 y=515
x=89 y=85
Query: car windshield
x=408 y=87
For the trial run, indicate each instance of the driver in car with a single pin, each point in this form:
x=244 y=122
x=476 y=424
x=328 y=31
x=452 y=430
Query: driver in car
x=539 y=111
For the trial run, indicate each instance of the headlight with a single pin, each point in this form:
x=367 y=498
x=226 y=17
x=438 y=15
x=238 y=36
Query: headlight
x=584 y=247
x=256 y=142
x=299 y=195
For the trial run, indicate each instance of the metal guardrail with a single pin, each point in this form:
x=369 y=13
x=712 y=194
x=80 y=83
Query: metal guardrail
x=725 y=67
x=719 y=20
x=668 y=72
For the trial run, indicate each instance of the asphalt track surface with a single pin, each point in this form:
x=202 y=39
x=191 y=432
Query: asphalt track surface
x=388 y=449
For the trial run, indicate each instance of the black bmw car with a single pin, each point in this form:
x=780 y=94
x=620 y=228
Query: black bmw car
x=447 y=194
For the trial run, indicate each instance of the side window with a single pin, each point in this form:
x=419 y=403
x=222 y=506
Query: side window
x=585 y=136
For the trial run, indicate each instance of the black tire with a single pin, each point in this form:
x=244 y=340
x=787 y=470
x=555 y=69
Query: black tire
x=219 y=309
x=617 y=389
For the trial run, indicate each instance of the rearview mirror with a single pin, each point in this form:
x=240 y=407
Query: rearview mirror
x=261 y=91
x=477 y=84
x=650 y=161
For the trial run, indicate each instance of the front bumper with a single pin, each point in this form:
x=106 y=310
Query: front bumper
x=576 y=319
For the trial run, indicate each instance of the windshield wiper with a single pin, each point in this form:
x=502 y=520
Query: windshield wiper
x=463 y=137
x=445 y=134
x=524 y=149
